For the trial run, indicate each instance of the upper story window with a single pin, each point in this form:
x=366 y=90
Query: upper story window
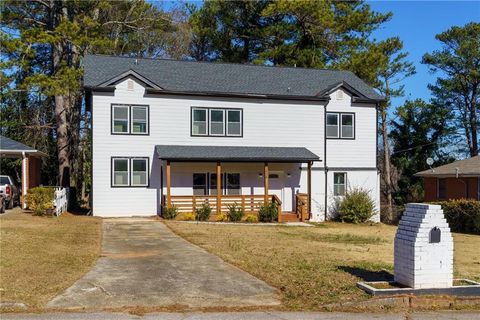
x=217 y=122
x=130 y=119
x=340 y=125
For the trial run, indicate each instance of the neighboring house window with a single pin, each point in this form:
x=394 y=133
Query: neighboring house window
x=332 y=125
x=216 y=122
x=120 y=172
x=130 y=119
x=139 y=119
x=120 y=119
x=442 y=189
x=199 y=122
x=139 y=172
x=339 y=183
x=129 y=172
x=233 y=184
x=234 y=123
x=340 y=125
x=199 y=184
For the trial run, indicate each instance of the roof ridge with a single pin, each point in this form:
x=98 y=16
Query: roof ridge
x=223 y=62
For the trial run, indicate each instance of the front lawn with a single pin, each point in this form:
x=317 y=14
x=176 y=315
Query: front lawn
x=318 y=265
x=42 y=256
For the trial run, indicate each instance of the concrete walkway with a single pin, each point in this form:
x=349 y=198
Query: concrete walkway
x=143 y=263
x=441 y=315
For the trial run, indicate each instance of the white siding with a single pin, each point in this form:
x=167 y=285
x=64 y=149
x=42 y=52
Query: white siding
x=265 y=123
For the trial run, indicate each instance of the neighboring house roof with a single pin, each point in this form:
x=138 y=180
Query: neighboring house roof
x=235 y=153
x=462 y=168
x=168 y=76
x=12 y=147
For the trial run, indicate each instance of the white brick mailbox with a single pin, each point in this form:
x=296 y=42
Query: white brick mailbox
x=423 y=248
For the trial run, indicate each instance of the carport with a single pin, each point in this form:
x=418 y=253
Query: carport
x=31 y=162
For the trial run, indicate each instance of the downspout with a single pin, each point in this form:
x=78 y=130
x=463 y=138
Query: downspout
x=325 y=167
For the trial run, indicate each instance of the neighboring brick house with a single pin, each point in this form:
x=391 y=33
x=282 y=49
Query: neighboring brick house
x=456 y=180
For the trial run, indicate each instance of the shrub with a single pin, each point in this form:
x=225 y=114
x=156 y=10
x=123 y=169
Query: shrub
x=203 y=213
x=170 y=213
x=189 y=217
x=39 y=199
x=462 y=215
x=222 y=217
x=268 y=212
x=235 y=213
x=251 y=218
x=356 y=207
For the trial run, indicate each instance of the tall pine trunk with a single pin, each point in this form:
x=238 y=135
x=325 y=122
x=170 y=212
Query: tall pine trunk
x=387 y=174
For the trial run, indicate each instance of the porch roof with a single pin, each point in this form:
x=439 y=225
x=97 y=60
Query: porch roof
x=12 y=148
x=235 y=154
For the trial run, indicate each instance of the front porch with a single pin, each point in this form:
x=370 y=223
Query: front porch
x=221 y=188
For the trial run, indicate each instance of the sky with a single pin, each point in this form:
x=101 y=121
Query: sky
x=417 y=23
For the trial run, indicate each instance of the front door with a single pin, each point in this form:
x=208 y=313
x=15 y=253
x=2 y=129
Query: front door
x=276 y=184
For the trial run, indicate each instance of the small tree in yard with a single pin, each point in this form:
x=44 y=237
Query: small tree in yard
x=356 y=207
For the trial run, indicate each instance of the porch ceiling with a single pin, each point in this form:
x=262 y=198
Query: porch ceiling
x=235 y=154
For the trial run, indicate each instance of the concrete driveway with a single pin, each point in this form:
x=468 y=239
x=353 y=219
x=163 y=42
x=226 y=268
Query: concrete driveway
x=143 y=263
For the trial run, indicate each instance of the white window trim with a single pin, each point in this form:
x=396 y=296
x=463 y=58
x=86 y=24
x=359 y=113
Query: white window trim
x=240 y=122
x=146 y=119
x=206 y=121
x=114 y=106
x=210 y=122
x=146 y=172
x=337 y=184
x=331 y=125
x=341 y=125
x=113 y=172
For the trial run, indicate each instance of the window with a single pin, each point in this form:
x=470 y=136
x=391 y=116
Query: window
x=332 y=125
x=199 y=122
x=234 y=123
x=120 y=119
x=129 y=119
x=199 y=184
x=233 y=184
x=339 y=183
x=120 y=172
x=442 y=189
x=213 y=183
x=139 y=172
x=139 y=119
x=347 y=125
x=340 y=125
x=216 y=122
x=129 y=172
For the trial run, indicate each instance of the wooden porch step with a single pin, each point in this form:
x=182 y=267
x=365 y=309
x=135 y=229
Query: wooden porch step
x=289 y=217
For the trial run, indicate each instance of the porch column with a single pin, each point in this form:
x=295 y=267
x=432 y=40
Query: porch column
x=265 y=182
x=25 y=178
x=169 y=198
x=309 y=189
x=219 y=188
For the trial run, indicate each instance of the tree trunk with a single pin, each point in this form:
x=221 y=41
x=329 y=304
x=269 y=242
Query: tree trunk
x=64 y=167
x=474 y=123
x=387 y=174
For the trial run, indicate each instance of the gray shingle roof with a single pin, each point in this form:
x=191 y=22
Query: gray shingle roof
x=12 y=145
x=467 y=167
x=190 y=76
x=235 y=153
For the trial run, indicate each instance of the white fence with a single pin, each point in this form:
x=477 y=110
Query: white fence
x=61 y=200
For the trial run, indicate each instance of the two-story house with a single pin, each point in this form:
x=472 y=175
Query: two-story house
x=168 y=132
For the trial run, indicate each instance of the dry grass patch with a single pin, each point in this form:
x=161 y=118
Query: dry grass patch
x=319 y=265
x=42 y=256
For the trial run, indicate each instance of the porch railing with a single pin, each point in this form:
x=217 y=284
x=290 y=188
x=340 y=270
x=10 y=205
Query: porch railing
x=249 y=203
x=301 y=206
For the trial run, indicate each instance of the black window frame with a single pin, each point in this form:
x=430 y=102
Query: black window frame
x=224 y=181
x=344 y=184
x=129 y=171
x=208 y=122
x=130 y=119
x=339 y=121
